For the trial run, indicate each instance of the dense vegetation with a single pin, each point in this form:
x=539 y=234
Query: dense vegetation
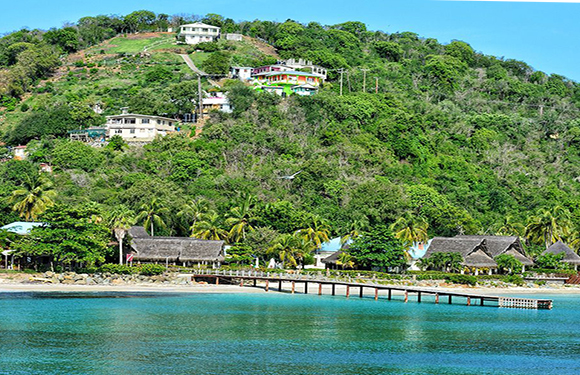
x=428 y=139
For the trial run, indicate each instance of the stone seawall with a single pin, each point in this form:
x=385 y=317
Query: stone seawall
x=109 y=279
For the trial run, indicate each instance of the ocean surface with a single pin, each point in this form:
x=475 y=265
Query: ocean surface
x=105 y=333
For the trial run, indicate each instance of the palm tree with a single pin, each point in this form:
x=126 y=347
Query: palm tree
x=151 y=215
x=209 y=228
x=290 y=249
x=33 y=197
x=411 y=229
x=353 y=230
x=240 y=219
x=345 y=260
x=193 y=211
x=120 y=220
x=548 y=227
x=510 y=227
x=316 y=230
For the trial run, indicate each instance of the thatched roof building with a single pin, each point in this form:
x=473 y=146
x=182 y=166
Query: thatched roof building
x=473 y=250
x=174 y=249
x=509 y=245
x=330 y=261
x=570 y=256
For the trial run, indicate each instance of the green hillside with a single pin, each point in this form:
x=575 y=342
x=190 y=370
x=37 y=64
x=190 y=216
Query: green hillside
x=467 y=142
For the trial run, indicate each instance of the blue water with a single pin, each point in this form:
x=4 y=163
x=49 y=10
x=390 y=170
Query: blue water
x=98 y=333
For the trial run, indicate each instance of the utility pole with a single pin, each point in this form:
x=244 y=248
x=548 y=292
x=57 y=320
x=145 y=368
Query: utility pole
x=365 y=79
x=200 y=104
x=341 y=73
x=376 y=85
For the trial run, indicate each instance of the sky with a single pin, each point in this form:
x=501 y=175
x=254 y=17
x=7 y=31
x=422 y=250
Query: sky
x=544 y=34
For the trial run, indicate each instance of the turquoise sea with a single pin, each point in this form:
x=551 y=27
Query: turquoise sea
x=100 y=333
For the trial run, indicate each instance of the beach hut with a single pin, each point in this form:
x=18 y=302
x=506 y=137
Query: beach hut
x=473 y=250
x=570 y=256
x=167 y=250
x=509 y=245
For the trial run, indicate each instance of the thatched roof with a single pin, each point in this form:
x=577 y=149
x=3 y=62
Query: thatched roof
x=173 y=249
x=510 y=245
x=569 y=255
x=331 y=259
x=473 y=250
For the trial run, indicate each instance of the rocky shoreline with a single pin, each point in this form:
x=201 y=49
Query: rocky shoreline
x=72 y=278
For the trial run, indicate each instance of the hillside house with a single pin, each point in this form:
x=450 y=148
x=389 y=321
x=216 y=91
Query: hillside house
x=243 y=73
x=194 y=33
x=270 y=68
x=289 y=78
x=217 y=101
x=19 y=152
x=139 y=128
x=304 y=64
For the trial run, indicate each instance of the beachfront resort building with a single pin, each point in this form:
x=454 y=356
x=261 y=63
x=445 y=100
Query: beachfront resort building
x=139 y=128
x=186 y=251
x=480 y=251
x=194 y=33
x=570 y=256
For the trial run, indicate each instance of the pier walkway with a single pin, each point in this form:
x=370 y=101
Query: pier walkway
x=277 y=281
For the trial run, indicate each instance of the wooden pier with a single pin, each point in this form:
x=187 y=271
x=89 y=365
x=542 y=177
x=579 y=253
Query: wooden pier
x=439 y=295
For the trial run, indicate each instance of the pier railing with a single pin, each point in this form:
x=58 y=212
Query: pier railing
x=306 y=279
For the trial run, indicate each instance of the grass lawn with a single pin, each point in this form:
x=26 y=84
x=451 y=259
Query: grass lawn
x=127 y=45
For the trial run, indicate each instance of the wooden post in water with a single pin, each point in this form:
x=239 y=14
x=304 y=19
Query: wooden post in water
x=347 y=291
x=376 y=294
x=481 y=302
x=293 y=286
x=360 y=293
x=419 y=297
x=280 y=285
x=333 y=288
x=267 y=285
x=450 y=299
x=406 y=296
x=468 y=301
x=436 y=298
x=306 y=287
x=319 y=289
x=390 y=292
x=217 y=281
x=255 y=282
x=241 y=282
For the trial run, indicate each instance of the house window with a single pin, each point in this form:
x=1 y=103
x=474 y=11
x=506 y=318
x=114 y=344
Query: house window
x=145 y=121
x=118 y=131
x=129 y=121
x=132 y=131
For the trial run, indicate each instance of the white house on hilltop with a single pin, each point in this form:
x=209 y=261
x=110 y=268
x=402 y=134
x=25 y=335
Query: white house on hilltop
x=194 y=33
x=139 y=128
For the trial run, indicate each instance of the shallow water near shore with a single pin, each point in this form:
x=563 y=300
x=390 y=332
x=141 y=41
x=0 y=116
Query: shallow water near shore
x=161 y=333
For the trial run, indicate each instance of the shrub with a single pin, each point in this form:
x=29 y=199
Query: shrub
x=514 y=279
x=151 y=269
x=117 y=268
x=462 y=279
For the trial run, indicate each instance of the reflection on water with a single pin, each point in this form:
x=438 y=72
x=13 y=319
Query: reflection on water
x=147 y=333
